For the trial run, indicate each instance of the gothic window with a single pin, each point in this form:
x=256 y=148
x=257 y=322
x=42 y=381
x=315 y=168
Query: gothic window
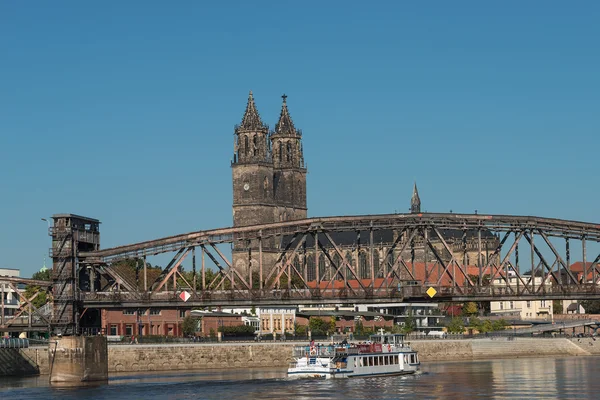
x=266 y=186
x=289 y=152
x=311 y=273
x=255 y=145
x=280 y=151
x=376 y=264
x=349 y=260
x=300 y=198
x=296 y=265
x=322 y=264
x=363 y=265
x=246 y=146
x=337 y=261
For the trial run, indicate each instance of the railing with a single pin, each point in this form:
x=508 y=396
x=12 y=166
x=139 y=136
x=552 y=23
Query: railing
x=12 y=343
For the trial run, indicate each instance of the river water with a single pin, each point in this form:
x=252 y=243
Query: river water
x=523 y=378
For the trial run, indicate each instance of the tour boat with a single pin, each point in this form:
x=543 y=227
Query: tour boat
x=382 y=355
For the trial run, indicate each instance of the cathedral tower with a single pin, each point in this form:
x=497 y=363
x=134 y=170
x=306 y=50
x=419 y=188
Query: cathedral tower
x=252 y=171
x=289 y=179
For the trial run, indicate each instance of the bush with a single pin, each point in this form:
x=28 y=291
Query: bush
x=239 y=330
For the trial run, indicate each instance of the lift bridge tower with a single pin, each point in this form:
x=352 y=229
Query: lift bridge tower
x=70 y=234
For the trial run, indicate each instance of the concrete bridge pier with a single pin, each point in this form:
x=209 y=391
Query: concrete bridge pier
x=78 y=360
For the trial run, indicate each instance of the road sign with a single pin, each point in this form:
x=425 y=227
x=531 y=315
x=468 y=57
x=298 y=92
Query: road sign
x=431 y=292
x=185 y=296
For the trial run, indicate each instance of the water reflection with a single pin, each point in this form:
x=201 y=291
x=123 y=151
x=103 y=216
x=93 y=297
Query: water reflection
x=497 y=379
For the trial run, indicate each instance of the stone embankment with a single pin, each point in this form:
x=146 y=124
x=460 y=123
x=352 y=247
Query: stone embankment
x=136 y=358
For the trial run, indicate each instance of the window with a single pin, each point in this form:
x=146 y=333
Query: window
x=502 y=305
x=543 y=303
x=528 y=304
x=128 y=330
x=129 y=311
x=154 y=311
x=512 y=305
x=114 y=330
x=246 y=146
x=255 y=146
x=289 y=152
x=182 y=313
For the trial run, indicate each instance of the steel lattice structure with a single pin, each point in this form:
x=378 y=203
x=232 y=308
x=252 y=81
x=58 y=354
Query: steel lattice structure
x=316 y=262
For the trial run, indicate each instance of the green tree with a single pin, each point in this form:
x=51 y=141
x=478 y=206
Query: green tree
x=409 y=323
x=189 y=326
x=317 y=326
x=30 y=290
x=300 y=330
x=591 y=306
x=253 y=310
x=44 y=275
x=557 y=306
x=456 y=325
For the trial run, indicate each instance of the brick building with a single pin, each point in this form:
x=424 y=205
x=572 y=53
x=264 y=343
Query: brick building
x=345 y=321
x=148 y=321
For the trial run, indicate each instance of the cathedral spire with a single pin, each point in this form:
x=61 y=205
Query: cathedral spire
x=415 y=201
x=285 y=125
x=251 y=119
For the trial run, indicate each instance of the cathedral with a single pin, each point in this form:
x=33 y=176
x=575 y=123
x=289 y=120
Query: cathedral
x=269 y=177
x=269 y=185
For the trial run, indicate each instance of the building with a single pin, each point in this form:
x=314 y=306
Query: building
x=269 y=185
x=426 y=316
x=277 y=320
x=211 y=321
x=143 y=321
x=269 y=179
x=347 y=320
x=9 y=299
x=521 y=309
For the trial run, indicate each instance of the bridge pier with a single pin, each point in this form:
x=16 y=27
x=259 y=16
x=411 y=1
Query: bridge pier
x=78 y=360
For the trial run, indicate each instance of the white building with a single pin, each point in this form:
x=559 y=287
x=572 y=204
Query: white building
x=426 y=316
x=523 y=309
x=279 y=320
x=10 y=299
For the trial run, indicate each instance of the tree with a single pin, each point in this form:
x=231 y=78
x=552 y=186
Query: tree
x=30 y=290
x=591 y=306
x=331 y=327
x=189 y=326
x=409 y=323
x=456 y=325
x=317 y=326
x=300 y=330
x=470 y=308
x=253 y=310
x=44 y=275
x=557 y=306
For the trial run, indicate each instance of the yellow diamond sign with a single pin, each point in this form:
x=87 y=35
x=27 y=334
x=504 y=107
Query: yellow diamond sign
x=431 y=292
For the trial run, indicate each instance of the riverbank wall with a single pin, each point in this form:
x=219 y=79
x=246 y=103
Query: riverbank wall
x=193 y=356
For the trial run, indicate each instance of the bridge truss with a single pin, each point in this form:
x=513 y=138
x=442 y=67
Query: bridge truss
x=369 y=259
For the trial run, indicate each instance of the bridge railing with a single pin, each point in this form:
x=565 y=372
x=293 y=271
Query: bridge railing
x=13 y=343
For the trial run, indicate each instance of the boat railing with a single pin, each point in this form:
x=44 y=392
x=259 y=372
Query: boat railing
x=314 y=351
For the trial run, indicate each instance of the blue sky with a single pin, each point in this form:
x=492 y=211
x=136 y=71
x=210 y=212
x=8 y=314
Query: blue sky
x=125 y=112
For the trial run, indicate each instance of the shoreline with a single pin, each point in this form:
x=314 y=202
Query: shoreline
x=201 y=356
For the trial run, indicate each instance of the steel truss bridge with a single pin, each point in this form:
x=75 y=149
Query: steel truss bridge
x=348 y=259
x=530 y=260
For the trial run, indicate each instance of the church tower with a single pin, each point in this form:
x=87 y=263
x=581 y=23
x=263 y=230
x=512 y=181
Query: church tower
x=252 y=171
x=415 y=201
x=289 y=179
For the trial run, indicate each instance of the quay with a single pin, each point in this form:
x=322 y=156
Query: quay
x=201 y=356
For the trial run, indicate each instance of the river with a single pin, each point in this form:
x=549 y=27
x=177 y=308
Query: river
x=533 y=378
